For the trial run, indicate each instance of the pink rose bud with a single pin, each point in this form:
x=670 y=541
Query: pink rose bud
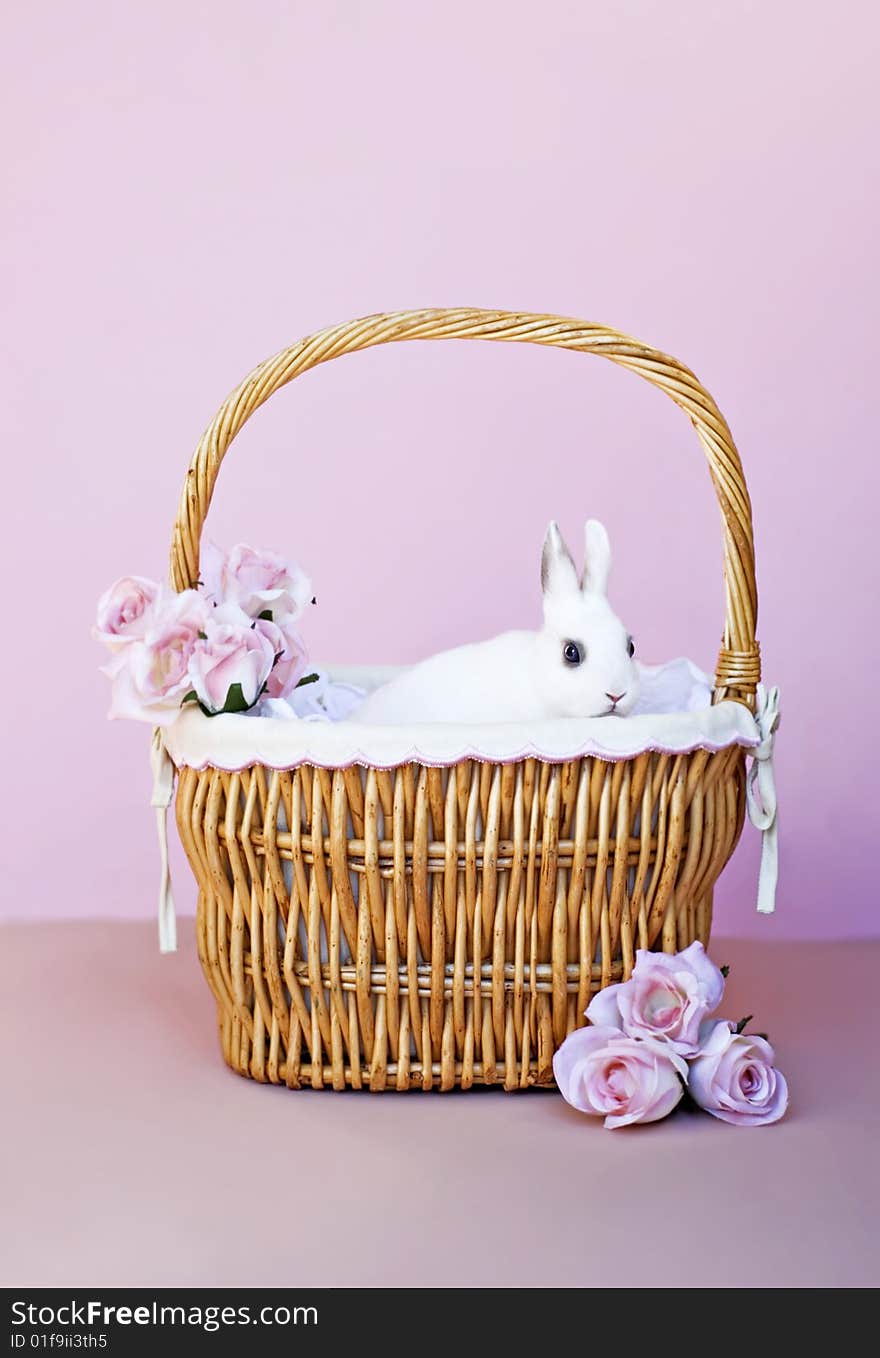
x=293 y=658
x=233 y=651
x=151 y=676
x=124 y=611
x=733 y=1077
x=259 y=582
x=667 y=997
x=603 y=1073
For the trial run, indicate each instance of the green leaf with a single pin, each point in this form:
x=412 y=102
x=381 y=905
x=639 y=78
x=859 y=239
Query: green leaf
x=741 y=1026
x=266 y=615
x=203 y=636
x=190 y=697
x=235 y=700
x=307 y=679
x=725 y=971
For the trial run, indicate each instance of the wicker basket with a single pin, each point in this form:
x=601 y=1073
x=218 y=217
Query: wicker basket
x=426 y=927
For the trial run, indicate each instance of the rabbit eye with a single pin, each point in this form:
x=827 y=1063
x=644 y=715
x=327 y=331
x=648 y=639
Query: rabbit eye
x=572 y=653
x=630 y=647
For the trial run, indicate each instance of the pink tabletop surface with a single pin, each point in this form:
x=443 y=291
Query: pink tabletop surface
x=132 y=1156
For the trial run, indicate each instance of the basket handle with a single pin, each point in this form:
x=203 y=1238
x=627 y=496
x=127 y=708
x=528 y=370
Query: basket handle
x=739 y=668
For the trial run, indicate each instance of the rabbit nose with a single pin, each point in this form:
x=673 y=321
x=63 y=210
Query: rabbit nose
x=616 y=697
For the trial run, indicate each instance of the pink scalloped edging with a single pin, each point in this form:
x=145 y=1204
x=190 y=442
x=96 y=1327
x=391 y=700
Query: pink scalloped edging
x=414 y=756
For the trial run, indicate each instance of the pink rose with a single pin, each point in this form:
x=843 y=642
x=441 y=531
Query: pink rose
x=601 y=1072
x=257 y=581
x=667 y=997
x=233 y=650
x=124 y=611
x=292 y=659
x=733 y=1077
x=151 y=676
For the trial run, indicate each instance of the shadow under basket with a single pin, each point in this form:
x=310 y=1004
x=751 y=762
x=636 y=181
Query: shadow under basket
x=427 y=927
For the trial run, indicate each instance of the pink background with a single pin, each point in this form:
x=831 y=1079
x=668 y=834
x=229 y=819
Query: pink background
x=192 y=186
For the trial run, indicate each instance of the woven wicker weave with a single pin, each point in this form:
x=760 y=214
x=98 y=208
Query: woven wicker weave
x=427 y=928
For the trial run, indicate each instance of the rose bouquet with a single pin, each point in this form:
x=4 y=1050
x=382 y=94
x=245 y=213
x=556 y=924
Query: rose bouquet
x=652 y=1044
x=224 y=645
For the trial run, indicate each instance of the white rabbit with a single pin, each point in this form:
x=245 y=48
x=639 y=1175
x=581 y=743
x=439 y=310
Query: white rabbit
x=580 y=664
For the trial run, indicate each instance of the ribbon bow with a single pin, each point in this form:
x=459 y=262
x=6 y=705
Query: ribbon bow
x=761 y=796
x=163 y=790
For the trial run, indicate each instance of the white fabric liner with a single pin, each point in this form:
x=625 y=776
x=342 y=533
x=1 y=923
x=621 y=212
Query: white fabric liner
x=674 y=715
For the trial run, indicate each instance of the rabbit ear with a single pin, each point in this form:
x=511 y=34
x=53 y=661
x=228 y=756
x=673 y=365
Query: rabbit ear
x=558 y=571
x=597 y=558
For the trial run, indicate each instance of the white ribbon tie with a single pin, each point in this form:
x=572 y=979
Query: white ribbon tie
x=163 y=790
x=761 y=796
